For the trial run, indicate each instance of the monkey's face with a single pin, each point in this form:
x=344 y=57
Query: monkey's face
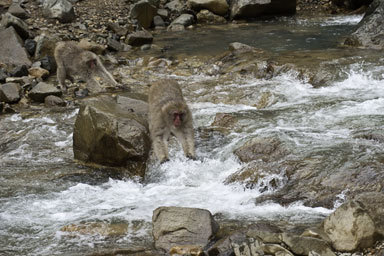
x=177 y=118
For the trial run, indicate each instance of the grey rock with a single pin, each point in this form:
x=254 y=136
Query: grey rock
x=369 y=33
x=158 y=21
x=16 y=10
x=163 y=13
x=106 y=133
x=3 y=75
x=8 y=20
x=184 y=19
x=304 y=245
x=255 y=8
x=61 y=10
x=30 y=46
x=10 y=92
x=12 y=50
x=174 y=6
x=174 y=226
x=350 y=227
x=207 y=17
x=219 y=7
x=143 y=11
x=114 y=45
x=19 y=71
x=42 y=90
x=139 y=38
x=48 y=63
x=54 y=101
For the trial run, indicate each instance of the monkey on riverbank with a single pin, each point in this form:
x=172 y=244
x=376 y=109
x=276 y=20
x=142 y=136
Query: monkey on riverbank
x=169 y=113
x=73 y=60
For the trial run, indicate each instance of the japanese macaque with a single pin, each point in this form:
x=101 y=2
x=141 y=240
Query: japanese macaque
x=169 y=113
x=73 y=60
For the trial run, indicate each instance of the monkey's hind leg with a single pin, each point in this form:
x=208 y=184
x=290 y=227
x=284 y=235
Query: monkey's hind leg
x=161 y=149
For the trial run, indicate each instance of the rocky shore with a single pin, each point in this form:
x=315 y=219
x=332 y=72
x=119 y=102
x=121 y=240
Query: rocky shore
x=122 y=32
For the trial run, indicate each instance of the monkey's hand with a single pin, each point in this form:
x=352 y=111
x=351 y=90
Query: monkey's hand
x=191 y=156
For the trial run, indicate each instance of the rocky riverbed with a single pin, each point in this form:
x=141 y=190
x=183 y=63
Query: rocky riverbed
x=323 y=175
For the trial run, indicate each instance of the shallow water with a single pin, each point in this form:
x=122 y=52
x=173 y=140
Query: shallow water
x=43 y=189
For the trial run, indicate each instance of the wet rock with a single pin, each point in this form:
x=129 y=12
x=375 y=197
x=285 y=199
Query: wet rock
x=19 y=71
x=1 y=107
x=352 y=4
x=114 y=45
x=219 y=7
x=241 y=9
x=61 y=10
x=30 y=46
x=106 y=134
x=144 y=12
x=175 y=226
x=175 y=6
x=304 y=245
x=158 y=22
x=369 y=33
x=8 y=20
x=207 y=17
x=16 y=10
x=372 y=202
x=259 y=175
x=350 y=227
x=139 y=38
x=97 y=228
x=226 y=120
x=184 y=20
x=267 y=232
x=12 y=50
x=267 y=149
x=163 y=13
x=42 y=90
x=8 y=109
x=81 y=93
x=48 y=63
x=10 y=92
x=54 y=101
x=190 y=250
x=117 y=29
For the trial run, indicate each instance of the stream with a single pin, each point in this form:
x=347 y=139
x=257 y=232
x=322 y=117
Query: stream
x=42 y=189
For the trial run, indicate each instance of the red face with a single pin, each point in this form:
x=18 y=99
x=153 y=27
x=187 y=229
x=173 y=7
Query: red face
x=91 y=63
x=177 y=118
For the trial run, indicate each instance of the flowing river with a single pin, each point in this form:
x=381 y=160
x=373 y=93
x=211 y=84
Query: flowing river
x=43 y=190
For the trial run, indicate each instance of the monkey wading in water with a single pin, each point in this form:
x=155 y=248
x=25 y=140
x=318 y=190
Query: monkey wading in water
x=73 y=60
x=169 y=113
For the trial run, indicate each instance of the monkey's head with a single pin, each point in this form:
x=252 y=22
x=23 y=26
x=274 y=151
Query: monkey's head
x=90 y=59
x=176 y=114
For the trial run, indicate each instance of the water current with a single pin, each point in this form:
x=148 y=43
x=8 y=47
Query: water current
x=42 y=189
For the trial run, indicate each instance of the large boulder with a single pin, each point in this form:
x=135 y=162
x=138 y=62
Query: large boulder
x=10 y=92
x=350 y=227
x=370 y=30
x=112 y=132
x=8 y=20
x=12 y=50
x=61 y=10
x=144 y=12
x=219 y=7
x=255 y=8
x=175 y=226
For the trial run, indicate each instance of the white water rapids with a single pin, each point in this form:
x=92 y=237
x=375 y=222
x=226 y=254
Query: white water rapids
x=309 y=118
